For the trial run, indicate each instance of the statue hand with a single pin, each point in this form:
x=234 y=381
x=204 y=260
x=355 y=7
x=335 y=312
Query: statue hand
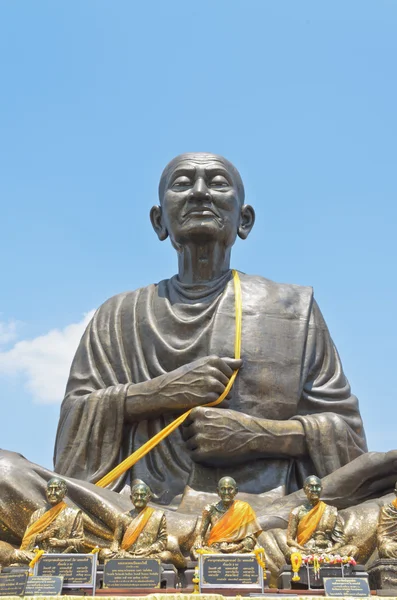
x=227 y=548
x=217 y=436
x=194 y=384
x=199 y=382
x=142 y=552
x=295 y=546
x=54 y=543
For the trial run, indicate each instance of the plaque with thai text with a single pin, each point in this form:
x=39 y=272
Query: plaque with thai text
x=346 y=586
x=77 y=570
x=230 y=571
x=132 y=573
x=13 y=584
x=44 y=586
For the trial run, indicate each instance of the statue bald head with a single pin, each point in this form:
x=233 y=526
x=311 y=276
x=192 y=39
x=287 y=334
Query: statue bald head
x=201 y=158
x=140 y=494
x=201 y=199
x=312 y=487
x=56 y=490
x=227 y=489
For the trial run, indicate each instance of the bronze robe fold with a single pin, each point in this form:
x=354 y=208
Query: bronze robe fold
x=291 y=371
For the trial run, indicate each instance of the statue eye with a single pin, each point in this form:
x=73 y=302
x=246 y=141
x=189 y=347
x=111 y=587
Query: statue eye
x=219 y=181
x=182 y=182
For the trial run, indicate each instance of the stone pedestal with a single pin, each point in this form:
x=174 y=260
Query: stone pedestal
x=383 y=575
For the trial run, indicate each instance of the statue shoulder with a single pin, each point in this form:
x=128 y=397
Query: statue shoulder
x=281 y=299
x=209 y=510
x=297 y=512
x=38 y=513
x=158 y=516
x=72 y=512
x=129 y=298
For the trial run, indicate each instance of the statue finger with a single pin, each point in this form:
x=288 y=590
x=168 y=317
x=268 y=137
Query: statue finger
x=191 y=444
x=219 y=375
x=221 y=365
x=187 y=432
x=233 y=363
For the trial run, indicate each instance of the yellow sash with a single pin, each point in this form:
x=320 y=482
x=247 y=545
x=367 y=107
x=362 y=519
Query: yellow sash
x=239 y=515
x=136 y=527
x=309 y=523
x=42 y=523
x=130 y=461
x=395 y=503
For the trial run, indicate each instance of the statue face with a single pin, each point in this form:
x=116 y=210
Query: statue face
x=313 y=489
x=140 y=496
x=227 y=489
x=55 y=492
x=201 y=201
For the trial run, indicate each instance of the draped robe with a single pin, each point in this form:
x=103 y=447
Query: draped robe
x=291 y=371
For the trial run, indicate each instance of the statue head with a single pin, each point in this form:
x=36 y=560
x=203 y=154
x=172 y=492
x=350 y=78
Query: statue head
x=312 y=487
x=56 y=490
x=201 y=199
x=227 y=489
x=140 y=495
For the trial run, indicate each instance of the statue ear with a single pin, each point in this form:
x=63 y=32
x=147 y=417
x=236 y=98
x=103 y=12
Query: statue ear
x=247 y=220
x=156 y=219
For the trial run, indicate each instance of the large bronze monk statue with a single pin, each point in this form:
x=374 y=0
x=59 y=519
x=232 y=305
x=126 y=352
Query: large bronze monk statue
x=151 y=354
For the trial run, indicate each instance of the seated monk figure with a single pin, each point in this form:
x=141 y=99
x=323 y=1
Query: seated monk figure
x=142 y=532
x=387 y=529
x=151 y=354
x=316 y=527
x=231 y=524
x=55 y=528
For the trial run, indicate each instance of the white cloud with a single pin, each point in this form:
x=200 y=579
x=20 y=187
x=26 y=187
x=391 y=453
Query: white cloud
x=43 y=362
x=8 y=332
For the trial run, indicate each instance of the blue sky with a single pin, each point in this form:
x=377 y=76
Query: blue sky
x=97 y=96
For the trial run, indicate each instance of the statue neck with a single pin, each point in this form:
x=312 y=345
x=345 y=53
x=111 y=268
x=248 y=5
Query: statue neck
x=202 y=263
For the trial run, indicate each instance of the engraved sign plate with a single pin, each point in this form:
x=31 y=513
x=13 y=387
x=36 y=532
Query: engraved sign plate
x=13 y=584
x=44 y=586
x=77 y=570
x=132 y=573
x=346 y=586
x=230 y=571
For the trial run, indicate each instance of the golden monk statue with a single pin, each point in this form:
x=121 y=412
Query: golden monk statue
x=142 y=532
x=231 y=523
x=387 y=529
x=55 y=528
x=316 y=527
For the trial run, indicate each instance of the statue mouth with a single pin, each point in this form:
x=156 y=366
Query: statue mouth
x=201 y=213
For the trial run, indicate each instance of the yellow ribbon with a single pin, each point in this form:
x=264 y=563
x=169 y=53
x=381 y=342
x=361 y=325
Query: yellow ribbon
x=35 y=559
x=131 y=460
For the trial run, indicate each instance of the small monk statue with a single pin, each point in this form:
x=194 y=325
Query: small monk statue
x=229 y=525
x=142 y=532
x=316 y=527
x=55 y=528
x=387 y=530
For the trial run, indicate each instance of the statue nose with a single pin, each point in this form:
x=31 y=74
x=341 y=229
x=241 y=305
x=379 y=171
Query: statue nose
x=200 y=189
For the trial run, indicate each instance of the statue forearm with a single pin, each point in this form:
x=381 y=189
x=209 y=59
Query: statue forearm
x=194 y=384
x=219 y=435
x=145 y=400
x=279 y=438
